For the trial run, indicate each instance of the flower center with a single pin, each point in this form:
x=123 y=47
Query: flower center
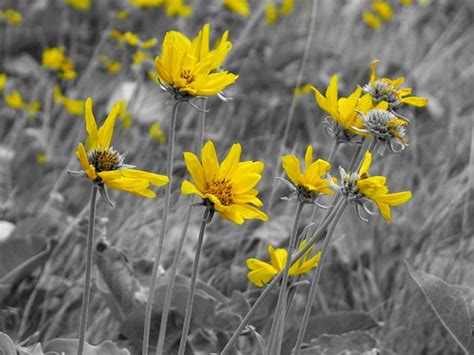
x=222 y=189
x=382 y=91
x=187 y=75
x=105 y=159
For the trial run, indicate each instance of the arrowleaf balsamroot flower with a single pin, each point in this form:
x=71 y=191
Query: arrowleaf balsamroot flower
x=343 y=111
x=73 y=106
x=385 y=89
x=240 y=7
x=310 y=184
x=227 y=188
x=188 y=68
x=261 y=272
x=54 y=59
x=363 y=189
x=104 y=166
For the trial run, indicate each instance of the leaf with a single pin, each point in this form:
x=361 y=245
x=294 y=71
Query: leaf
x=7 y=346
x=69 y=347
x=351 y=343
x=450 y=303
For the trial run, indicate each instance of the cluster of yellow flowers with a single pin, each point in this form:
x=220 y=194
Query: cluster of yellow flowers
x=11 y=17
x=382 y=11
x=276 y=9
x=15 y=100
x=55 y=59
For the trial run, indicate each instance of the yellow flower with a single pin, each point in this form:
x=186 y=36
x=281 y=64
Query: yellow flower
x=310 y=184
x=82 y=5
x=304 y=89
x=122 y=14
x=156 y=132
x=131 y=39
x=261 y=272
x=139 y=57
x=73 y=106
x=371 y=20
x=405 y=2
x=104 y=166
x=385 y=89
x=240 y=7
x=11 y=16
x=3 y=81
x=55 y=59
x=227 y=188
x=286 y=7
x=178 y=8
x=125 y=116
x=271 y=13
x=190 y=68
x=112 y=66
x=15 y=100
x=383 y=9
x=343 y=110
x=146 y=3
x=41 y=158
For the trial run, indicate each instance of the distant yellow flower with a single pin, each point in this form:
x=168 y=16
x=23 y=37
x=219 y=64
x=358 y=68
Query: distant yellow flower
x=311 y=183
x=125 y=116
x=343 y=111
x=227 y=188
x=146 y=3
x=371 y=20
x=112 y=66
x=178 y=8
x=139 y=57
x=156 y=133
x=82 y=5
x=41 y=159
x=240 y=7
x=104 y=166
x=286 y=7
x=131 y=39
x=271 y=13
x=55 y=59
x=16 y=101
x=122 y=14
x=261 y=272
x=383 y=9
x=385 y=89
x=189 y=69
x=12 y=17
x=3 y=81
x=73 y=106
x=361 y=188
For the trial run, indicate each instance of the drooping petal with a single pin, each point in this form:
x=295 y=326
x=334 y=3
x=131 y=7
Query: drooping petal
x=249 y=212
x=84 y=160
x=396 y=198
x=415 y=101
x=154 y=179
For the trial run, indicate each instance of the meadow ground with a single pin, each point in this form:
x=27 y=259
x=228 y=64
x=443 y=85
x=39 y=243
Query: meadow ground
x=381 y=288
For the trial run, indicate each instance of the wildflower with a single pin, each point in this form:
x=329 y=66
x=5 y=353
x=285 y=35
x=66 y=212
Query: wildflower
x=261 y=272
x=122 y=14
x=286 y=7
x=81 y=5
x=73 y=106
x=110 y=65
x=240 y=7
x=271 y=13
x=178 y=8
x=310 y=184
x=386 y=128
x=227 y=188
x=105 y=166
x=10 y=16
x=156 y=133
x=3 y=81
x=363 y=190
x=41 y=158
x=187 y=69
x=16 y=101
x=125 y=116
x=131 y=39
x=54 y=59
x=346 y=124
x=385 y=89
x=146 y=3
x=383 y=9
x=139 y=57
x=304 y=89
x=371 y=20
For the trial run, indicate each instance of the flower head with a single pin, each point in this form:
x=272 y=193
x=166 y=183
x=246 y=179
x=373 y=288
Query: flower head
x=240 y=7
x=82 y=5
x=372 y=20
x=189 y=68
x=11 y=17
x=383 y=9
x=261 y=272
x=177 y=8
x=109 y=64
x=54 y=59
x=343 y=111
x=227 y=188
x=311 y=183
x=385 y=89
x=105 y=166
x=73 y=106
x=16 y=101
x=362 y=190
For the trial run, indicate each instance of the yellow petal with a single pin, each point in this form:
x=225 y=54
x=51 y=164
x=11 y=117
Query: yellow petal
x=249 y=212
x=91 y=125
x=292 y=167
x=278 y=257
x=243 y=183
x=107 y=130
x=373 y=75
x=364 y=168
x=195 y=170
x=415 y=101
x=84 y=160
x=397 y=198
x=331 y=92
x=188 y=188
x=154 y=179
x=308 y=157
x=210 y=163
x=231 y=162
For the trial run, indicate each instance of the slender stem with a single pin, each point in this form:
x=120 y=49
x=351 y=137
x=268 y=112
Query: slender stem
x=355 y=157
x=89 y=257
x=179 y=248
x=161 y=238
x=322 y=228
x=192 y=287
x=333 y=150
x=315 y=281
x=281 y=304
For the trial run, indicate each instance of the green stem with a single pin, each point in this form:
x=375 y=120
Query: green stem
x=322 y=229
x=164 y=220
x=333 y=150
x=179 y=248
x=89 y=257
x=192 y=287
x=281 y=304
x=316 y=277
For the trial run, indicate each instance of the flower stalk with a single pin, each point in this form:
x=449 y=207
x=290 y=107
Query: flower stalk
x=89 y=258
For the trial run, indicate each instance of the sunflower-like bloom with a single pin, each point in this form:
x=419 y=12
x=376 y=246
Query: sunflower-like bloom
x=73 y=106
x=362 y=189
x=188 y=68
x=227 y=188
x=372 y=20
x=311 y=183
x=16 y=101
x=383 y=9
x=104 y=166
x=343 y=111
x=11 y=17
x=385 y=89
x=240 y=7
x=177 y=8
x=55 y=59
x=261 y=272
x=82 y=5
